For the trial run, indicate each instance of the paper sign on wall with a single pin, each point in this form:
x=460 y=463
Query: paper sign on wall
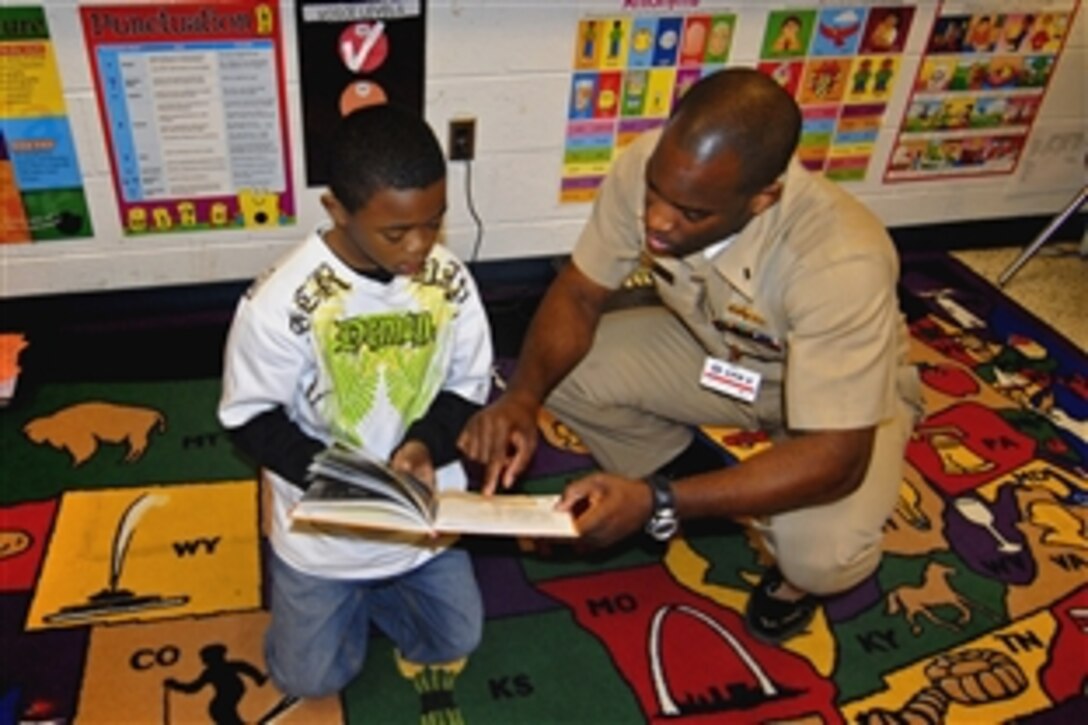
x=629 y=71
x=353 y=54
x=41 y=188
x=840 y=64
x=191 y=97
x=979 y=87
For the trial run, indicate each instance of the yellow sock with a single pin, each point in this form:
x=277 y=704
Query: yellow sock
x=434 y=683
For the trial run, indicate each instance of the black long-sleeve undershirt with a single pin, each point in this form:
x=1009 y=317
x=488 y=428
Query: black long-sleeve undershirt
x=439 y=428
x=275 y=442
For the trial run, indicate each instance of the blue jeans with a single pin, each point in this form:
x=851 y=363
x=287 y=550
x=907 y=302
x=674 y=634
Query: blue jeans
x=317 y=640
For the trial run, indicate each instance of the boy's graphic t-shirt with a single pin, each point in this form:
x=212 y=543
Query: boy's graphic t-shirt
x=354 y=359
x=387 y=364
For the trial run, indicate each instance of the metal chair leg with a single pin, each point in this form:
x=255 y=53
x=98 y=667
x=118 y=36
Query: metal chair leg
x=1044 y=236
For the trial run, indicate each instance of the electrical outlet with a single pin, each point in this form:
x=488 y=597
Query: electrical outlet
x=462 y=142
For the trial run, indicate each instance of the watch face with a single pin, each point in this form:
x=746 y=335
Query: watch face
x=661 y=527
x=663 y=522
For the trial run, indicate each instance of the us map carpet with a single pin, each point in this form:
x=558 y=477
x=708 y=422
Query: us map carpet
x=131 y=552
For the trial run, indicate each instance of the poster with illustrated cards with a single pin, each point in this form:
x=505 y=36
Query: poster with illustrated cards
x=841 y=63
x=191 y=96
x=353 y=54
x=980 y=84
x=41 y=188
x=629 y=72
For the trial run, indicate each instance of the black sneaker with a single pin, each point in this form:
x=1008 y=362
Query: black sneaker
x=775 y=620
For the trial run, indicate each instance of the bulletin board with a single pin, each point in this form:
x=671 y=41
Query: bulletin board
x=191 y=96
x=979 y=87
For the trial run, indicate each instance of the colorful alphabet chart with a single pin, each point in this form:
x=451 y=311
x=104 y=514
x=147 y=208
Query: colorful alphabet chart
x=979 y=87
x=41 y=188
x=191 y=97
x=629 y=72
x=355 y=53
x=841 y=64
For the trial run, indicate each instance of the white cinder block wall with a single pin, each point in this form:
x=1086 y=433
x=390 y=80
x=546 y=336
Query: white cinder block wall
x=509 y=63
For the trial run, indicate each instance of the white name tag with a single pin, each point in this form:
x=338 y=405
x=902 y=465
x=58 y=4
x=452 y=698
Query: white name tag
x=733 y=380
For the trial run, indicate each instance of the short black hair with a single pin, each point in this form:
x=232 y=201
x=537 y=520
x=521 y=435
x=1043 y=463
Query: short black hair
x=745 y=112
x=379 y=147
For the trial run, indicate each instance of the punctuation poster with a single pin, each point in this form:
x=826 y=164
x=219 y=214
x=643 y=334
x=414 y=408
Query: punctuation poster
x=841 y=64
x=192 y=99
x=354 y=54
x=41 y=188
x=629 y=71
x=980 y=84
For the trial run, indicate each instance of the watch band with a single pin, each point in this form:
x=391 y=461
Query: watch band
x=663 y=523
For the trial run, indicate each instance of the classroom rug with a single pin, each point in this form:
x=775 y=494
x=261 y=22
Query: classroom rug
x=132 y=551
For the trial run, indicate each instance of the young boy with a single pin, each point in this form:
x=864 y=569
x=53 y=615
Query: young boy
x=371 y=333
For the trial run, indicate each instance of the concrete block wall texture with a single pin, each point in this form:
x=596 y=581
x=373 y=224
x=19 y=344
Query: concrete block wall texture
x=508 y=63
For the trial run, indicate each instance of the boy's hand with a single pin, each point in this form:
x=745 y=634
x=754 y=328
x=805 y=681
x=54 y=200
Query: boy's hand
x=414 y=458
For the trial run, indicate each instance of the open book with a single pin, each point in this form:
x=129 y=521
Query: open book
x=349 y=487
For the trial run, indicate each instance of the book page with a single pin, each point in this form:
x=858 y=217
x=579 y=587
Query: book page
x=358 y=468
x=503 y=514
x=366 y=513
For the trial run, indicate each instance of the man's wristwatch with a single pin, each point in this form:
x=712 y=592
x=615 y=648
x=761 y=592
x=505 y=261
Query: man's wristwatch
x=663 y=523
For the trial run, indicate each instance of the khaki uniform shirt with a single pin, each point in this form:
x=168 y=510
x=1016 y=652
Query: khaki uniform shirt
x=805 y=295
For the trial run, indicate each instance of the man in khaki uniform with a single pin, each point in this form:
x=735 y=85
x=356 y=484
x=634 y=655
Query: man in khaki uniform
x=779 y=314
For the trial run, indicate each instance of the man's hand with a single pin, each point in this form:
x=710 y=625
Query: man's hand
x=414 y=458
x=503 y=437
x=612 y=507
